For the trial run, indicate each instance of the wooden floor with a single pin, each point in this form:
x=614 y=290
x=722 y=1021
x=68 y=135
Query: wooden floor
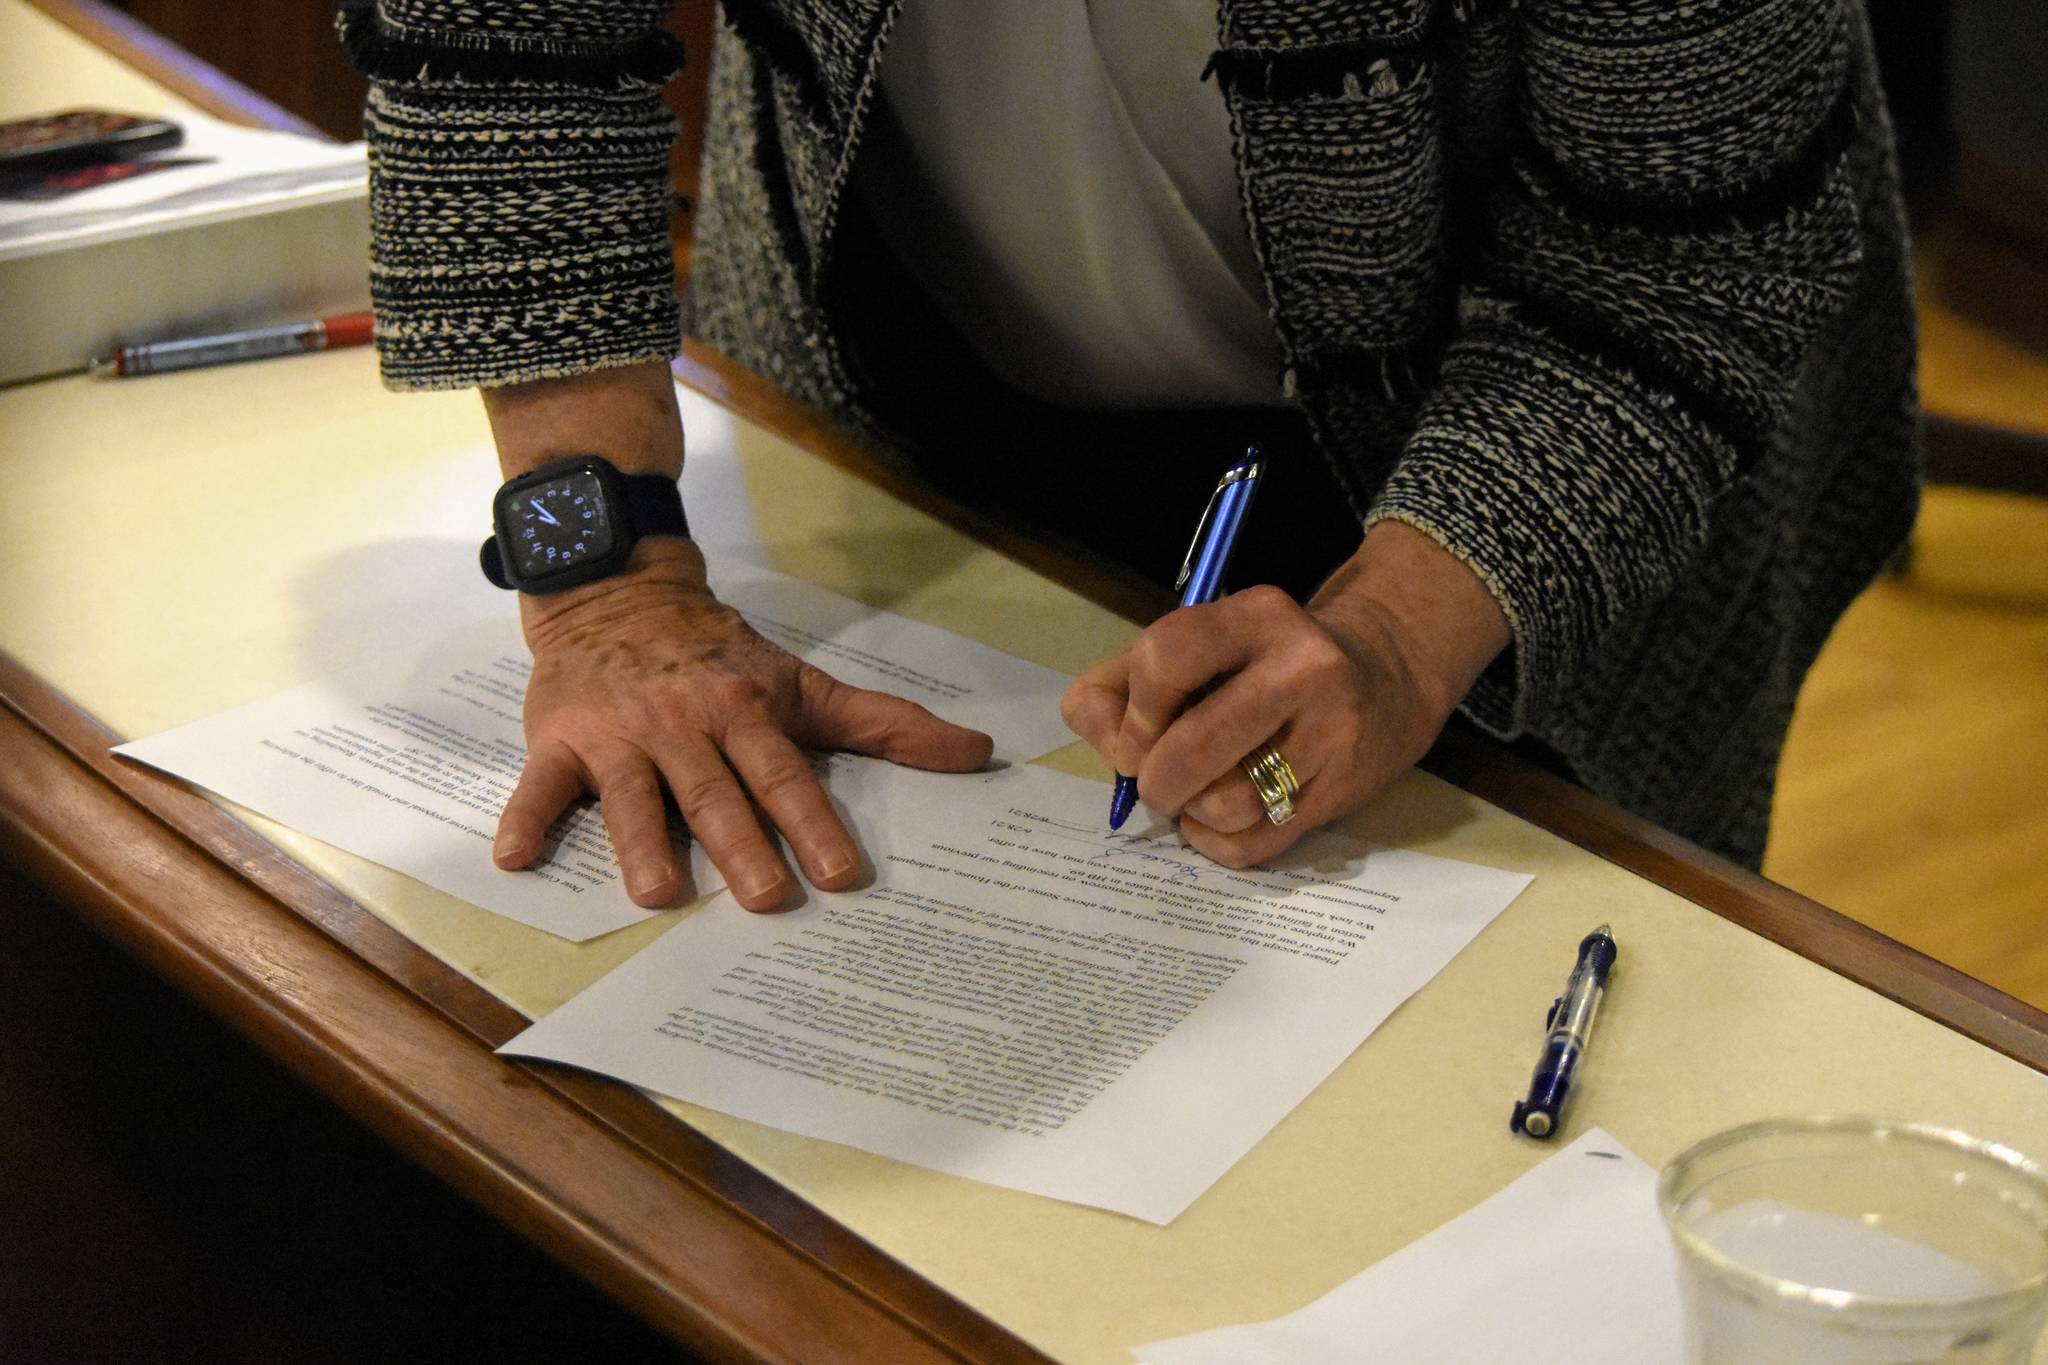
x=1914 y=791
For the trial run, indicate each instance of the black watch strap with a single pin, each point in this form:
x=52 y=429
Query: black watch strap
x=492 y=560
x=654 y=503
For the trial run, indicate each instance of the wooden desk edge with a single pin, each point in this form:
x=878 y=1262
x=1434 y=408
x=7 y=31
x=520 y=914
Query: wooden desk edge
x=678 y=1230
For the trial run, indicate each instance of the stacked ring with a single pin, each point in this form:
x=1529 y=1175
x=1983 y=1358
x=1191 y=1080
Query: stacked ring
x=1275 y=781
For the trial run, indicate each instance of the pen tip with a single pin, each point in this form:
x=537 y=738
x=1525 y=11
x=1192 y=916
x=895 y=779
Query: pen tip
x=1605 y=931
x=1121 y=801
x=100 y=365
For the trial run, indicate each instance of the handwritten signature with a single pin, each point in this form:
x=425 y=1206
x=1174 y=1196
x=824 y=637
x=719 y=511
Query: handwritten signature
x=1182 y=873
x=1125 y=848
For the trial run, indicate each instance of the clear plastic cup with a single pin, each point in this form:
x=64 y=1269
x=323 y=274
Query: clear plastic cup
x=1848 y=1241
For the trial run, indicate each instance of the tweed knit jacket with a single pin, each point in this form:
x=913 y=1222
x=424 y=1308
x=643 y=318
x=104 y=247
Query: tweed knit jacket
x=1606 y=296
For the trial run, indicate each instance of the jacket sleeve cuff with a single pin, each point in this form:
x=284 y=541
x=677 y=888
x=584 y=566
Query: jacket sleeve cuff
x=519 y=201
x=1574 y=493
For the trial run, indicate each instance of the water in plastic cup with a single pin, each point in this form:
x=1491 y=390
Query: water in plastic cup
x=1838 y=1241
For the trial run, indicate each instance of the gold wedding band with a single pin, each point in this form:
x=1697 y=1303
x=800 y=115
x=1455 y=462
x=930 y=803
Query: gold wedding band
x=1275 y=781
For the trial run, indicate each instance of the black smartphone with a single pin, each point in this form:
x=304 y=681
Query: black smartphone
x=79 y=136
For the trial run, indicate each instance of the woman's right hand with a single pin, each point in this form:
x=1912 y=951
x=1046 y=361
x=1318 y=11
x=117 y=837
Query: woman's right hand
x=645 y=681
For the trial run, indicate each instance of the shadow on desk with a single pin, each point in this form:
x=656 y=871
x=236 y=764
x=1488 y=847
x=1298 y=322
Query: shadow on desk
x=172 y=1196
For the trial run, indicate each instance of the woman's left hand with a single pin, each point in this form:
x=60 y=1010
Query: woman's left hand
x=1350 y=689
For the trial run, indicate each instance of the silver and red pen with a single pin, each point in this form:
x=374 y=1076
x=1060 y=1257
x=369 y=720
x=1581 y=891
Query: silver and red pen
x=254 y=343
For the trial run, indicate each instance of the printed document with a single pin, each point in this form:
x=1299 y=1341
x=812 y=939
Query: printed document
x=1020 y=996
x=408 y=762
x=1569 y=1262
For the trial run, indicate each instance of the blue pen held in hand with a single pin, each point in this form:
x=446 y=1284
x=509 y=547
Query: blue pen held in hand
x=1201 y=573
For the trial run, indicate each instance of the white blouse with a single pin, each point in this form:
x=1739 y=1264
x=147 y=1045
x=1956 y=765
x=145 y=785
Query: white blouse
x=1063 y=187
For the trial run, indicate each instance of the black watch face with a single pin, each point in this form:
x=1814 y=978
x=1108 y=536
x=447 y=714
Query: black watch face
x=558 y=525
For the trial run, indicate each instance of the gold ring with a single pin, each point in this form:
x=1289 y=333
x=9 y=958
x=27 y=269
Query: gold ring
x=1275 y=781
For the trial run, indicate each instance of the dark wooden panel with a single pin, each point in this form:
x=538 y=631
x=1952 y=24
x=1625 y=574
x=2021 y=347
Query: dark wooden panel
x=164 y=62
x=1994 y=458
x=172 y=1195
x=285 y=50
x=1993 y=248
x=668 y=1223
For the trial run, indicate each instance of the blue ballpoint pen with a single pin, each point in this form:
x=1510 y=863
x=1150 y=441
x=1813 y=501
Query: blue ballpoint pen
x=1570 y=1028
x=1201 y=573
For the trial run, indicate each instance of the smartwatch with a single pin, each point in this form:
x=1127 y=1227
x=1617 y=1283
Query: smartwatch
x=575 y=521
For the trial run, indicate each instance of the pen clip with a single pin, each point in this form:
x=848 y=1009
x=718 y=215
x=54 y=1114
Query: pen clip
x=1244 y=469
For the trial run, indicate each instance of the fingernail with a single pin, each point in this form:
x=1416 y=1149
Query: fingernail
x=769 y=890
x=511 y=850
x=834 y=865
x=650 y=885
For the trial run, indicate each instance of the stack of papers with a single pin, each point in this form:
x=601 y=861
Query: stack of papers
x=408 y=760
x=1020 y=996
x=244 y=228
x=218 y=168
x=1013 y=993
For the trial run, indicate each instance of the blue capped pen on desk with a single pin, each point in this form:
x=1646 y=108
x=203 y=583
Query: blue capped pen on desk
x=1201 y=573
x=1569 y=1029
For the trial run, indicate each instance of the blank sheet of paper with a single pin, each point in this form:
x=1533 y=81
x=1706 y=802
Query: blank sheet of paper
x=1019 y=996
x=1570 y=1262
